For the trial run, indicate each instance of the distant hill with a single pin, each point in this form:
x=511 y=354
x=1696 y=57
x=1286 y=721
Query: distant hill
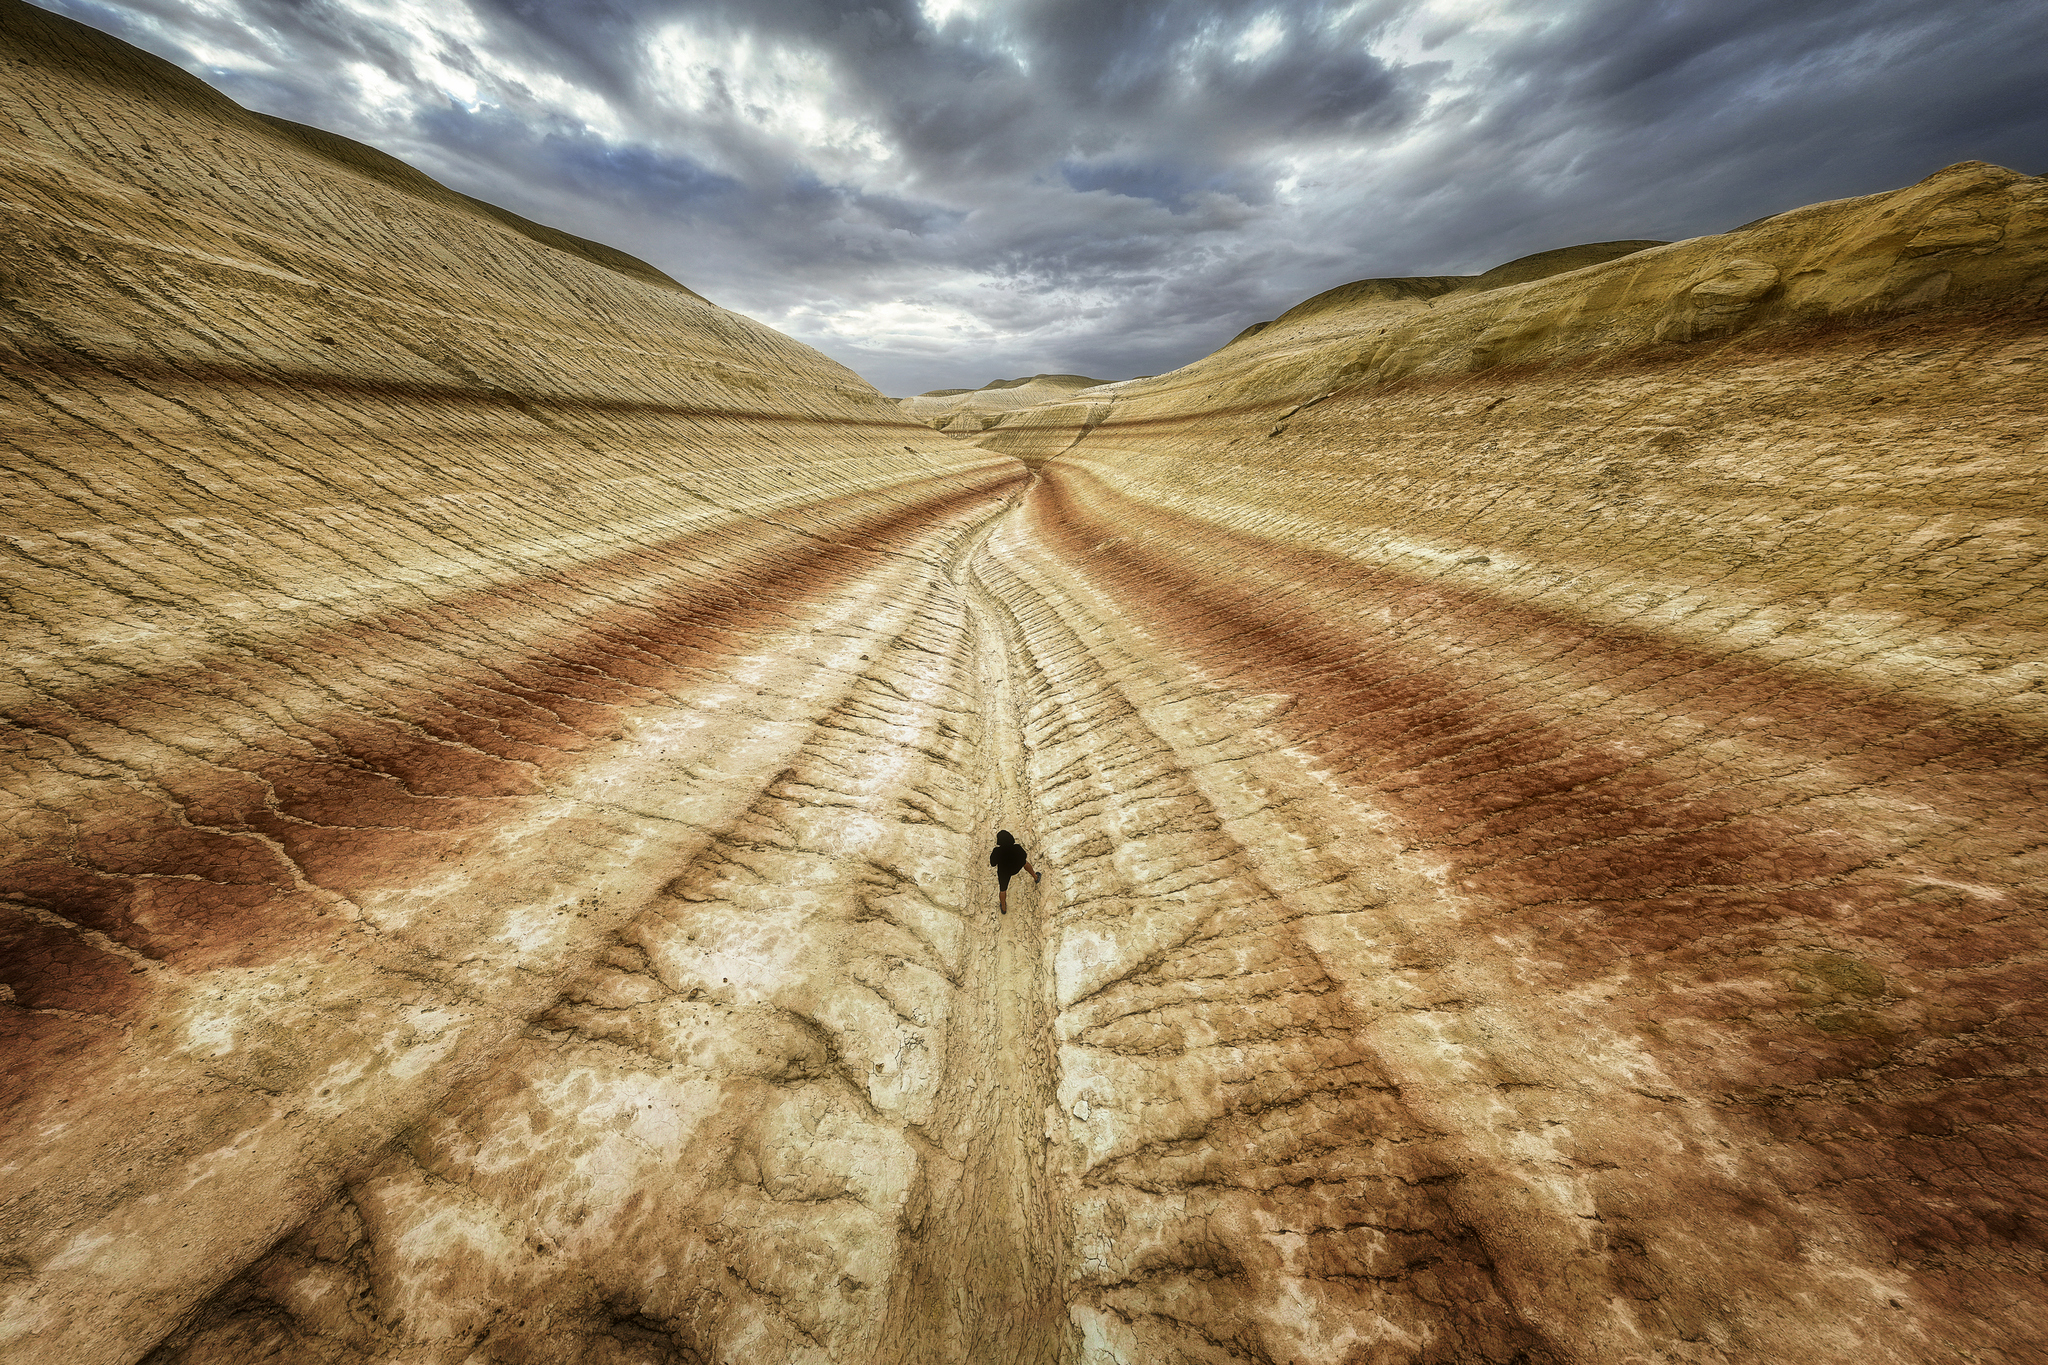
x=975 y=410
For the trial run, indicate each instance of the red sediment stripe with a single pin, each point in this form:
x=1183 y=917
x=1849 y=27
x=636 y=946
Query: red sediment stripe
x=1684 y=827
x=375 y=791
x=372 y=787
x=1855 y=334
x=1600 y=820
x=52 y=968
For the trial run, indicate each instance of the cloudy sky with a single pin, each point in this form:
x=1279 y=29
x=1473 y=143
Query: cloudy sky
x=943 y=192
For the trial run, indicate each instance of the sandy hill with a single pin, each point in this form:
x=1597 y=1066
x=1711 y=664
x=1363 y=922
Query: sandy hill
x=1033 y=431
x=1521 y=270
x=1537 y=789
x=964 y=411
x=1784 y=275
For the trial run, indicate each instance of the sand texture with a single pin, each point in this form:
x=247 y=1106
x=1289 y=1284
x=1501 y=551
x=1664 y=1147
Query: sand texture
x=1536 y=775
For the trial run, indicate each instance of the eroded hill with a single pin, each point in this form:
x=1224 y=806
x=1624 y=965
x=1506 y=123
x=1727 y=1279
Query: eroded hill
x=1536 y=787
x=964 y=412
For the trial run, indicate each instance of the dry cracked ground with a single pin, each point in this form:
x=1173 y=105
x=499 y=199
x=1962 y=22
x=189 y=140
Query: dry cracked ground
x=1537 y=780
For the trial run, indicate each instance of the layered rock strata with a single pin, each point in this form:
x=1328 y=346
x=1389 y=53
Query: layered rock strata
x=1535 y=784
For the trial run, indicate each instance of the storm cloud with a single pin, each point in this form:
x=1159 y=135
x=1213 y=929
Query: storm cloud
x=942 y=192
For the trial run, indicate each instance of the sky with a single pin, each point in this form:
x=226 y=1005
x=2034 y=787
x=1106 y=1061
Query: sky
x=938 y=193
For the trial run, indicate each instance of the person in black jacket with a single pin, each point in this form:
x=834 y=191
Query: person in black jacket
x=1008 y=859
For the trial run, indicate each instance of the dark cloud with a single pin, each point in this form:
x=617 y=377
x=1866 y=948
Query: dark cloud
x=943 y=192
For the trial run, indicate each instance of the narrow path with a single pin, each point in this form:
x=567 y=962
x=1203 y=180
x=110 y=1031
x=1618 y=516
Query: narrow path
x=981 y=1278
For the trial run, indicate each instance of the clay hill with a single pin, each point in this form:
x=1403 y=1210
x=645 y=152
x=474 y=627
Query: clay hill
x=1537 y=787
x=966 y=411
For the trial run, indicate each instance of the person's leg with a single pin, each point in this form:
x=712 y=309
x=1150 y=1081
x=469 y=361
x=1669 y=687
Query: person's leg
x=1003 y=892
x=1035 y=878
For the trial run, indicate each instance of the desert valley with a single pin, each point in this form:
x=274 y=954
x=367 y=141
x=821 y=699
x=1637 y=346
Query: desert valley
x=1536 y=776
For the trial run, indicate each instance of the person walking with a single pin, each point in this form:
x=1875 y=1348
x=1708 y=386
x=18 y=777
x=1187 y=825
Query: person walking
x=1008 y=858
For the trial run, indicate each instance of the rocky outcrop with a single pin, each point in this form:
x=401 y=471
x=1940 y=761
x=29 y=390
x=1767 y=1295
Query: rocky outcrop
x=1535 y=786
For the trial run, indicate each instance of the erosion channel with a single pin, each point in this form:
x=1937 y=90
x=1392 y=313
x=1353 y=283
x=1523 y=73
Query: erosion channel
x=984 y=1279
